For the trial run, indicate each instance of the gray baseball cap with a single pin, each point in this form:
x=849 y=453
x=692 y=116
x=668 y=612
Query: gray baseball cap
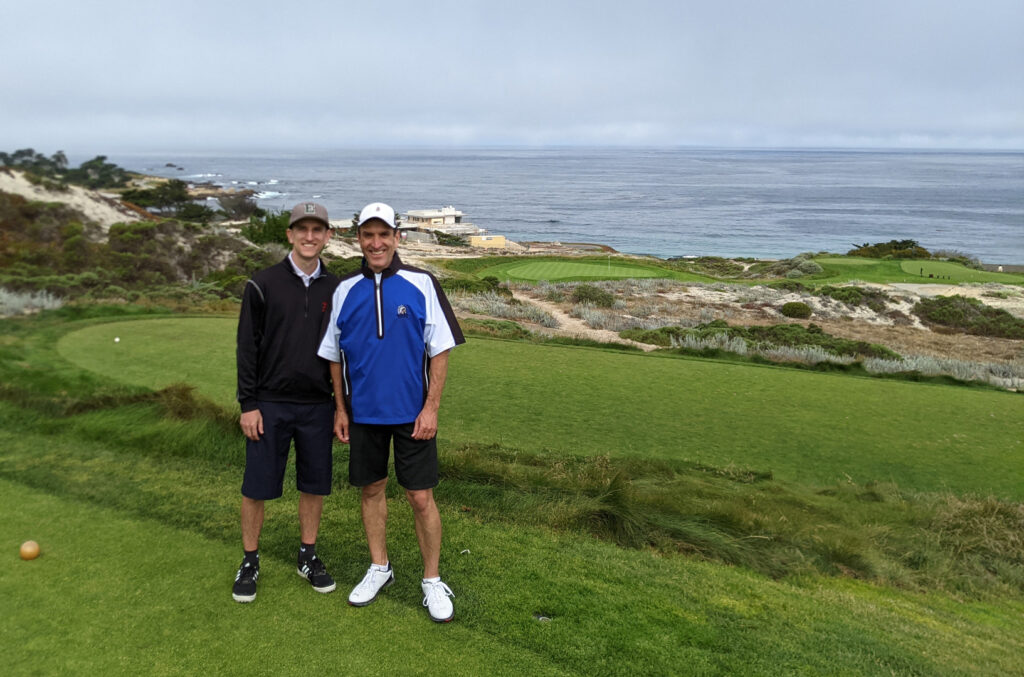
x=309 y=210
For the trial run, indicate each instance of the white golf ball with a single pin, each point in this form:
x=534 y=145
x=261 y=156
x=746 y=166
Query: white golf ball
x=117 y=339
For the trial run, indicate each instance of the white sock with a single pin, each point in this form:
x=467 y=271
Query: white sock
x=381 y=567
x=435 y=579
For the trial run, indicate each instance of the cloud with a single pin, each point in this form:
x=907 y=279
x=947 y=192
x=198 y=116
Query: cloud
x=118 y=75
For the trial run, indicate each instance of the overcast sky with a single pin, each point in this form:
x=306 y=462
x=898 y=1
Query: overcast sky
x=111 y=76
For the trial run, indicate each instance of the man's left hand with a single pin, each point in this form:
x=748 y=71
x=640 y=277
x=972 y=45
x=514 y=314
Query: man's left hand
x=426 y=425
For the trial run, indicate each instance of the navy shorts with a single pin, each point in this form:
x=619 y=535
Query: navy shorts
x=370 y=447
x=312 y=428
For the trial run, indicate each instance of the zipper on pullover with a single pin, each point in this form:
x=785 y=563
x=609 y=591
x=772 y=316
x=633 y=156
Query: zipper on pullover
x=379 y=303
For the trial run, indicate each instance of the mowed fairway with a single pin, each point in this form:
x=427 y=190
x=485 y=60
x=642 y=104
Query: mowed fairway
x=802 y=426
x=885 y=271
x=557 y=271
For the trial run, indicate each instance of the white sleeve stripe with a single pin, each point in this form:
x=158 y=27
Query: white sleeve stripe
x=329 y=348
x=438 y=335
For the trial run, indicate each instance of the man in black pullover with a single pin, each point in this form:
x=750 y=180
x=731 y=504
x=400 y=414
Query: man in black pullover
x=285 y=393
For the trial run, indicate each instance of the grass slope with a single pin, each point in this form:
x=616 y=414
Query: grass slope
x=561 y=400
x=79 y=608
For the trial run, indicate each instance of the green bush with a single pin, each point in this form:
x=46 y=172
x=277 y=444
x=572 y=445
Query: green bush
x=874 y=299
x=797 y=310
x=239 y=205
x=897 y=249
x=193 y=211
x=495 y=328
x=662 y=336
x=473 y=286
x=788 y=285
x=94 y=173
x=810 y=267
x=342 y=267
x=594 y=296
x=714 y=266
x=271 y=227
x=970 y=316
x=450 y=240
x=171 y=194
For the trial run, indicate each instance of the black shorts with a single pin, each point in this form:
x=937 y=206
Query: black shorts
x=369 y=448
x=312 y=428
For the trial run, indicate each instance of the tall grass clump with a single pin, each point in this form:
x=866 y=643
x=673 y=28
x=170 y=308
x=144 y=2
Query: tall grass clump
x=611 y=320
x=875 y=532
x=723 y=342
x=22 y=302
x=1009 y=375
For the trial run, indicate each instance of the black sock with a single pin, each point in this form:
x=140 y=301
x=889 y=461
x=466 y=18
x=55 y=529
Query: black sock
x=252 y=557
x=307 y=550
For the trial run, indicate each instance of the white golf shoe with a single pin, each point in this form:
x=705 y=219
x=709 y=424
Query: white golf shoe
x=436 y=598
x=375 y=580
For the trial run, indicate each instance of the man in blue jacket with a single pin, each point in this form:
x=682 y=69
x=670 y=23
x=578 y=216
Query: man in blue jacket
x=285 y=394
x=388 y=341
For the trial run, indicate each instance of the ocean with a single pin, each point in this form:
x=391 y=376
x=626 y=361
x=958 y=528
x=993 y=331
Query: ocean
x=663 y=202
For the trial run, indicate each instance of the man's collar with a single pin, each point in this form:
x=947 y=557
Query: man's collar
x=301 y=273
x=393 y=267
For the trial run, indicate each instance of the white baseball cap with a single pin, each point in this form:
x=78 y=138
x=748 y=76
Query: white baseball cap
x=377 y=210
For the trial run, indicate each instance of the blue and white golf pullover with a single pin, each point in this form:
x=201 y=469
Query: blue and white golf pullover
x=384 y=329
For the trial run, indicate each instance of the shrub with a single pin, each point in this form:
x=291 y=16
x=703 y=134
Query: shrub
x=496 y=328
x=970 y=316
x=713 y=266
x=955 y=256
x=342 y=267
x=591 y=295
x=271 y=227
x=662 y=336
x=193 y=211
x=796 y=309
x=469 y=285
x=874 y=299
x=788 y=285
x=94 y=173
x=173 y=193
x=809 y=267
x=897 y=249
x=450 y=240
x=238 y=205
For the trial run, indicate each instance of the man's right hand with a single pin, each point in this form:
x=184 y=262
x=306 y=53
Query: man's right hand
x=252 y=424
x=341 y=425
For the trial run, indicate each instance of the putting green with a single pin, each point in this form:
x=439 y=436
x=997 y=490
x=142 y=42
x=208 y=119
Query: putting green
x=926 y=271
x=156 y=353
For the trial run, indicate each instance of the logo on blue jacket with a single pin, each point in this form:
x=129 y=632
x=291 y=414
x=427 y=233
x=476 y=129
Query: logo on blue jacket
x=402 y=311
